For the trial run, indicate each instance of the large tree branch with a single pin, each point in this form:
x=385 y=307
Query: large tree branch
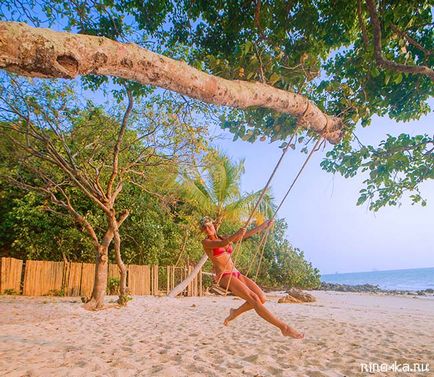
x=123 y=216
x=362 y=24
x=381 y=61
x=77 y=216
x=46 y=53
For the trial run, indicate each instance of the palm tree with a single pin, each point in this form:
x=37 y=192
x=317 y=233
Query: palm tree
x=215 y=192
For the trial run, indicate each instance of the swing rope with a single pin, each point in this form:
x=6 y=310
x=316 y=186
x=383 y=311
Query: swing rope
x=316 y=147
x=265 y=235
x=259 y=248
x=258 y=202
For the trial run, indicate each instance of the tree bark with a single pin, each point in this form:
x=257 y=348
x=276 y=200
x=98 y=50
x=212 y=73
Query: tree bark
x=96 y=301
x=123 y=290
x=378 y=54
x=38 y=52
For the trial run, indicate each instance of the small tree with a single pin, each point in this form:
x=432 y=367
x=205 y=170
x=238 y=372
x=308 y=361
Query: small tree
x=65 y=149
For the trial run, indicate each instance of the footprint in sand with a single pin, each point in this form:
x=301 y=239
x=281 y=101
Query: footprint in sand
x=315 y=373
x=234 y=365
x=275 y=371
x=251 y=358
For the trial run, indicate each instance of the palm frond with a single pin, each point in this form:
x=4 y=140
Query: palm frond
x=216 y=191
x=197 y=194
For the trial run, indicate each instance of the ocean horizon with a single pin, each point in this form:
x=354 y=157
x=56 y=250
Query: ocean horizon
x=411 y=279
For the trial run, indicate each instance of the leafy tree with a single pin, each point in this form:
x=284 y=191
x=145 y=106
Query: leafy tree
x=354 y=60
x=65 y=149
x=215 y=191
x=29 y=231
x=155 y=232
x=397 y=165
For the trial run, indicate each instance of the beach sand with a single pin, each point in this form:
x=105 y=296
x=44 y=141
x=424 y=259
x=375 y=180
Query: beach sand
x=158 y=336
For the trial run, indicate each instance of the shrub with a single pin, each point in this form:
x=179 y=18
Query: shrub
x=10 y=291
x=113 y=286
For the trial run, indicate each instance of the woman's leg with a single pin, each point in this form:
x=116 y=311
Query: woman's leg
x=241 y=290
x=234 y=313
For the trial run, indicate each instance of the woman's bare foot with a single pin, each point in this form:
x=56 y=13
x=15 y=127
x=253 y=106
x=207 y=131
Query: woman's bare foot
x=289 y=331
x=230 y=317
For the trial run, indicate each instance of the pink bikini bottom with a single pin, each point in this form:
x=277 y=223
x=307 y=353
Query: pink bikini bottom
x=235 y=273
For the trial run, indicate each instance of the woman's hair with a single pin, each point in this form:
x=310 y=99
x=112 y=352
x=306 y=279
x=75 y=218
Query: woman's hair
x=204 y=220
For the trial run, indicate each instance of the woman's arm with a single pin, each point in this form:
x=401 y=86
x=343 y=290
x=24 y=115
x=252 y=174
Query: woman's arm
x=266 y=224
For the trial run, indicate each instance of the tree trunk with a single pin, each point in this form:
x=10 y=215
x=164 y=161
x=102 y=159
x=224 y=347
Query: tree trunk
x=38 y=52
x=100 y=284
x=180 y=287
x=123 y=290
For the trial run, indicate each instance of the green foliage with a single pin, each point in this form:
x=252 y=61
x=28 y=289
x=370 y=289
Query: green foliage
x=29 y=231
x=158 y=227
x=56 y=292
x=156 y=145
x=323 y=50
x=113 y=285
x=283 y=266
x=10 y=292
x=215 y=191
x=312 y=48
x=397 y=165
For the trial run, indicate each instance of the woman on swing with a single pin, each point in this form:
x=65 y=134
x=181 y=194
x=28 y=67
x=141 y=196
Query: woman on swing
x=219 y=251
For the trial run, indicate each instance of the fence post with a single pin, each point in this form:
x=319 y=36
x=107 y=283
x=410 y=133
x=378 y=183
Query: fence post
x=190 y=286
x=75 y=278
x=200 y=284
x=173 y=278
x=155 y=280
x=168 y=279
x=10 y=274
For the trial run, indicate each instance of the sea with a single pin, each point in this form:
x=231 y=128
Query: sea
x=407 y=280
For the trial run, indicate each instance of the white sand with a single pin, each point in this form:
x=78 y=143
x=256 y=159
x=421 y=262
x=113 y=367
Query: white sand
x=185 y=337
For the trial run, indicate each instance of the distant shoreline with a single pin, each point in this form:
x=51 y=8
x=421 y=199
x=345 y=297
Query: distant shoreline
x=372 y=288
x=406 y=281
x=375 y=271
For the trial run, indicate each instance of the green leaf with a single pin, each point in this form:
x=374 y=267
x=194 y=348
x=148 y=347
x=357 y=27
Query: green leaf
x=375 y=72
x=398 y=79
x=361 y=200
x=387 y=77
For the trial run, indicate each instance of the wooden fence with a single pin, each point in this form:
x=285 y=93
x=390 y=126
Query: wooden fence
x=41 y=278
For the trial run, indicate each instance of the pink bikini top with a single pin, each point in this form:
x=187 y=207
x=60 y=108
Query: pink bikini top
x=221 y=250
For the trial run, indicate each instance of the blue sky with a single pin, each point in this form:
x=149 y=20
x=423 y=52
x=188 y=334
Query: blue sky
x=324 y=221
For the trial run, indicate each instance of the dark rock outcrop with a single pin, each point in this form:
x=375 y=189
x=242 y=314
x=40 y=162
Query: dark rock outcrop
x=371 y=288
